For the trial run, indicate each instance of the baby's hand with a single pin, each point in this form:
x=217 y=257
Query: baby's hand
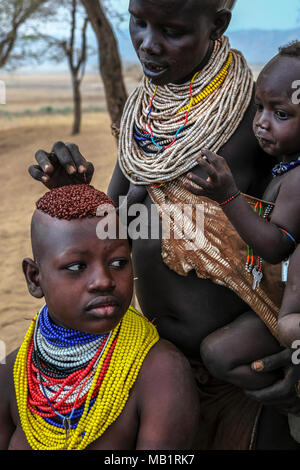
x=219 y=185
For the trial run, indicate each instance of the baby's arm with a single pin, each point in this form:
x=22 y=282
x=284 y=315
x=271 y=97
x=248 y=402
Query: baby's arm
x=289 y=317
x=7 y=426
x=267 y=239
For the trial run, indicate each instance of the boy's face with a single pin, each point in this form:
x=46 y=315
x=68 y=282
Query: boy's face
x=171 y=37
x=277 y=120
x=87 y=282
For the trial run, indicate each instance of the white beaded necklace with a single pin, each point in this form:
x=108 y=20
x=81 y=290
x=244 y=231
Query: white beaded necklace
x=211 y=122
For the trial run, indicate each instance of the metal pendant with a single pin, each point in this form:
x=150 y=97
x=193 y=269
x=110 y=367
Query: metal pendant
x=257 y=277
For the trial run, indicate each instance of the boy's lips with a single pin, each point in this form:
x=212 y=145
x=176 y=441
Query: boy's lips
x=102 y=306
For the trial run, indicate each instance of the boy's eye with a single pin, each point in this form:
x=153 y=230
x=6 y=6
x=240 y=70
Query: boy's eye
x=281 y=114
x=76 y=267
x=119 y=263
x=259 y=107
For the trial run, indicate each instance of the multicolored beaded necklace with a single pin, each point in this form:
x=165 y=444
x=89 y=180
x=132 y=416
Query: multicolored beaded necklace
x=70 y=386
x=145 y=138
x=282 y=167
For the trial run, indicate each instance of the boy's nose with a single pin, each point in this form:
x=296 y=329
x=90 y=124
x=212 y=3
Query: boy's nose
x=102 y=281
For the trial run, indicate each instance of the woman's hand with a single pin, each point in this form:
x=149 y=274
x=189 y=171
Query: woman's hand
x=64 y=165
x=285 y=393
x=219 y=185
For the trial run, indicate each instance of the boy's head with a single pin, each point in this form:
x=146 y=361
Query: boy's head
x=172 y=38
x=277 y=120
x=86 y=281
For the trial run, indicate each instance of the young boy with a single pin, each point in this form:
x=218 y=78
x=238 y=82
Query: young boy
x=182 y=50
x=229 y=352
x=91 y=372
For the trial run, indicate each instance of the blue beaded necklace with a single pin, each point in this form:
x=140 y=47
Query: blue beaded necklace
x=282 y=168
x=60 y=336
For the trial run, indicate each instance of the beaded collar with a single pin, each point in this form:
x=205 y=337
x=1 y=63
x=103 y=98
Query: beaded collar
x=282 y=168
x=68 y=396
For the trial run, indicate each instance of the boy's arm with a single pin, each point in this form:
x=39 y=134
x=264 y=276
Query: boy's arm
x=7 y=426
x=168 y=403
x=266 y=238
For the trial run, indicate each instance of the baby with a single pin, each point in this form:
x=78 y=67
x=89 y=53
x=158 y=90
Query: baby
x=92 y=372
x=229 y=351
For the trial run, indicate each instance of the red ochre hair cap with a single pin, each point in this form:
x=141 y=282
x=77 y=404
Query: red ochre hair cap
x=73 y=202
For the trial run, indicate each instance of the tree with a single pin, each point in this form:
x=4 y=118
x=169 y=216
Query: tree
x=13 y=15
x=76 y=54
x=109 y=62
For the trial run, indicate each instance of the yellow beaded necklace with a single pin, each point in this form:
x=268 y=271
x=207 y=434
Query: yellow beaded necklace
x=136 y=336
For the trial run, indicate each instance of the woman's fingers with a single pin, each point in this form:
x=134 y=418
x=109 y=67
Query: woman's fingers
x=64 y=157
x=80 y=162
x=38 y=174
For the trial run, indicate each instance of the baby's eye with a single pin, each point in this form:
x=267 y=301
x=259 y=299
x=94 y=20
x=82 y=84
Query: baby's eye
x=119 y=263
x=281 y=114
x=259 y=107
x=76 y=267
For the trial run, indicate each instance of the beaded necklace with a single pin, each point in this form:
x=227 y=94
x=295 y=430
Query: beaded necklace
x=164 y=128
x=282 y=168
x=62 y=406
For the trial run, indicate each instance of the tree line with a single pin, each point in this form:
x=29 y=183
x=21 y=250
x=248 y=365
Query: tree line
x=14 y=45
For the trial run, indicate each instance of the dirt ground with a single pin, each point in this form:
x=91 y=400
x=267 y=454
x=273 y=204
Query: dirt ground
x=18 y=193
x=20 y=138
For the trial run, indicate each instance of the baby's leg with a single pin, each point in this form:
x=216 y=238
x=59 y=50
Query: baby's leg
x=229 y=352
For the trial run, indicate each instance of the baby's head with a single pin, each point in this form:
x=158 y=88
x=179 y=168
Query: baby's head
x=87 y=282
x=173 y=37
x=277 y=120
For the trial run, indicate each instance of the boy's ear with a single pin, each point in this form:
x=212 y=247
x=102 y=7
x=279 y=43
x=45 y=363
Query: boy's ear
x=222 y=20
x=31 y=272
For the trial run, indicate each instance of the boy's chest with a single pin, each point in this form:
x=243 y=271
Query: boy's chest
x=120 y=435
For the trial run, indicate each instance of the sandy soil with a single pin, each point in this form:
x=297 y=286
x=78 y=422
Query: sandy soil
x=18 y=193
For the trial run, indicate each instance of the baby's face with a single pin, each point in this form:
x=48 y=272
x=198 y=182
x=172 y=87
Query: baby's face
x=171 y=37
x=87 y=282
x=277 y=120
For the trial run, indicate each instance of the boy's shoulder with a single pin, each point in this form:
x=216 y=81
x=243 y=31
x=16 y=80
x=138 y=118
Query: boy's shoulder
x=167 y=400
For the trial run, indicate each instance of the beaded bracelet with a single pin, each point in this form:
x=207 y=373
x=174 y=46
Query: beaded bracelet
x=231 y=198
x=288 y=235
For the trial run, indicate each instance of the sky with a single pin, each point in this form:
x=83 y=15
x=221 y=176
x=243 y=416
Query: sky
x=253 y=14
x=265 y=14
x=247 y=15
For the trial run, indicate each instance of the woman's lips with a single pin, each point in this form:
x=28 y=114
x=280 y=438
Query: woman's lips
x=152 y=69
